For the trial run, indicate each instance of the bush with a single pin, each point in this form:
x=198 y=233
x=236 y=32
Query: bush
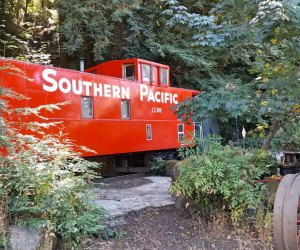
x=44 y=180
x=158 y=165
x=49 y=186
x=223 y=177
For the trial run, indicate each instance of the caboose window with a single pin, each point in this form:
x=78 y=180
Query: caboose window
x=125 y=109
x=128 y=72
x=180 y=132
x=87 y=107
x=146 y=73
x=163 y=75
x=149 y=132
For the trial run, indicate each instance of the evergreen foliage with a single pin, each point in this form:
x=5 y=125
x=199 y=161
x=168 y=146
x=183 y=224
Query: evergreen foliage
x=242 y=55
x=28 y=30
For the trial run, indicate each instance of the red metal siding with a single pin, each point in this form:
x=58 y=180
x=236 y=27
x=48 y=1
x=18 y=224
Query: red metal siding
x=106 y=132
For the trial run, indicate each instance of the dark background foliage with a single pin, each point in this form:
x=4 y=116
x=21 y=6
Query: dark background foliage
x=242 y=55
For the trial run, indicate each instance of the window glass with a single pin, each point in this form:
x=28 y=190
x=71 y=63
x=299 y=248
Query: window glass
x=163 y=76
x=87 y=107
x=125 y=109
x=146 y=73
x=180 y=132
x=149 y=132
x=197 y=130
x=128 y=71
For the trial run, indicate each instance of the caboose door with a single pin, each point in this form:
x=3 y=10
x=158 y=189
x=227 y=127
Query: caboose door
x=198 y=132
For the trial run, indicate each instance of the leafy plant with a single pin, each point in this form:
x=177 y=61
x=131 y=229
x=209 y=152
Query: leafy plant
x=49 y=185
x=157 y=165
x=44 y=181
x=224 y=177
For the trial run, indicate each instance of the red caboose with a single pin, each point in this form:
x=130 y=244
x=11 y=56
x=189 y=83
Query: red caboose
x=117 y=107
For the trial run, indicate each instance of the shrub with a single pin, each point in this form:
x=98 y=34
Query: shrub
x=223 y=177
x=44 y=181
x=49 y=186
x=158 y=165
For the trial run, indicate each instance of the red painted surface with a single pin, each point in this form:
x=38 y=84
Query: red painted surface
x=106 y=133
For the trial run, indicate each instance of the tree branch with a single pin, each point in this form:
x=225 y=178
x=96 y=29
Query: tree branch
x=275 y=127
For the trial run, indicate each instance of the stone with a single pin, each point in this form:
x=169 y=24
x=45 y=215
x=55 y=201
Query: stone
x=151 y=191
x=172 y=169
x=23 y=238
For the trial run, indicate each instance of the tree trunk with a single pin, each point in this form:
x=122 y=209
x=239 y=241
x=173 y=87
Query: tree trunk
x=26 y=10
x=2 y=9
x=267 y=142
x=3 y=220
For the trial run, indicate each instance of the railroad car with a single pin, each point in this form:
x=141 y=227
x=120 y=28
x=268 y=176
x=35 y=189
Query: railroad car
x=115 y=108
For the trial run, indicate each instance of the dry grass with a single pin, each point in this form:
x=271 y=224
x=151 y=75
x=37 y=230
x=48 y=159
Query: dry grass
x=248 y=235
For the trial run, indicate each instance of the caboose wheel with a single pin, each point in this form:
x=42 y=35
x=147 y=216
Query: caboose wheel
x=283 y=189
x=290 y=216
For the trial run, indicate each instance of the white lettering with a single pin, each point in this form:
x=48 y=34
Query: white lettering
x=175 y=99
x=143 y=91
x=74 y=87
x=98 y=89
x=116 y=91
x=87 y=87
x=107 y=90
x=125 y=93
x=67 y=83
x=157 y=96
x=80 y=87
x=167 y=97
x=151 y=97
x=47 y=78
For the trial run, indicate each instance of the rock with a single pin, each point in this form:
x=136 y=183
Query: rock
x=22 y=238
x=119 y=198
x=183 y=202
x=172 y=169
x=173 y=166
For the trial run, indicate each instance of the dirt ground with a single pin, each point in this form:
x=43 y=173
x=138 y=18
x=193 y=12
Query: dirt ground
x=168 y=228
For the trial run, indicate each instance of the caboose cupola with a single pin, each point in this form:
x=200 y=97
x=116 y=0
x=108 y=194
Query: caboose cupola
x=135 y=69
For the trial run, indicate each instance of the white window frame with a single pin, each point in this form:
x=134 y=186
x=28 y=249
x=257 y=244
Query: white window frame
x=128 y=116
x=180 y=133
x=149 y=126
x=91 y=108
x=132 y=78
x=151 y=77
x=167 y=77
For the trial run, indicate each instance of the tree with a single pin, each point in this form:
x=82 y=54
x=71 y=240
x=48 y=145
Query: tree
x=28 y=31
x=256 y=59
x=136 y=29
